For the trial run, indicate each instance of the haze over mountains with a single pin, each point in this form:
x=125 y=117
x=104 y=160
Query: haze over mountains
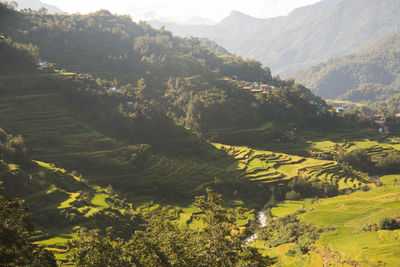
x=307 y=36
x=370 y=74
x=37 y=4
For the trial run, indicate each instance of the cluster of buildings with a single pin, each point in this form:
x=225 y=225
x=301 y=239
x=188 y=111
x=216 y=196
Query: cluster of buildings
x=253 y=85
x=45 y=66
x=379 y=120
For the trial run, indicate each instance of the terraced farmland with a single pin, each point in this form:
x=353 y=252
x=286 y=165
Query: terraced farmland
x=63 y=200
x=94 y=206
x=56 y=132
x=271 y=167
x=348 y=243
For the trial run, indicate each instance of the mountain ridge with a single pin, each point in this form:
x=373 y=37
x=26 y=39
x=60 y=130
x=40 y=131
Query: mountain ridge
x=37 y=4
x=306 y=36
x=369 y=74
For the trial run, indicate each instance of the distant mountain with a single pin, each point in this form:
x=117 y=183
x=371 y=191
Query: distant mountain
x=307 y=36
x=37 y=4
x=370 y=74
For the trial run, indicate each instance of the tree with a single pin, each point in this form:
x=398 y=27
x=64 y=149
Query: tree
x=43 y=10
x=15 y=230
x=164 y=243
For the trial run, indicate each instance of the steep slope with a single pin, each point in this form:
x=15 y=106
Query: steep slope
x=306 y=36
x=370 y=74
x=181 y=75
x=125 y=135
x=16 y=57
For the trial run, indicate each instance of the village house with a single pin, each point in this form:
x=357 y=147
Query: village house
x=42 y=66
x=380 y=120
x=384 y=129
x=339 y=110
x=364 y=116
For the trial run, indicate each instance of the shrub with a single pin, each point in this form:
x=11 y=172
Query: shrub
x=388 y=224
x=358 y=159
x=389 y=164
x=289 y=229
x=365 y=188
x=292 y=195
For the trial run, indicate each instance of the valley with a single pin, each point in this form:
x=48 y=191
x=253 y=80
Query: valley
x=134 y=147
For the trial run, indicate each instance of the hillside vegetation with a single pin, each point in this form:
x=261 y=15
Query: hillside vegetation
x=180 y=75
x=110 y=144
x=369 y=75
x=355 y=228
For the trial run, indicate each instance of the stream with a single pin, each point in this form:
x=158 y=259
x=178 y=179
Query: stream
x=262 y=222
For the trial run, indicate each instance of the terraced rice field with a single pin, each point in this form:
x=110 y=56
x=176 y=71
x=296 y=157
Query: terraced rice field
x=56 y=132
x=271 y=167
x=347 y=244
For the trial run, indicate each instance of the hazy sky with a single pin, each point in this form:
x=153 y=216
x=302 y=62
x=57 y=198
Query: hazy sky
x=183 y=10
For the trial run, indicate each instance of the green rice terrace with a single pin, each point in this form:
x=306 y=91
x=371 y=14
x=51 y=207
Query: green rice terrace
x=352 y=236
x=70 y=202
x=271 y=167
x=87 y=178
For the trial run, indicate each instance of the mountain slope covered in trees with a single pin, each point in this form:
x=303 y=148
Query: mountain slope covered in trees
x=307 y=36
x=371 y=74
x=124 y=137
x=181 y=75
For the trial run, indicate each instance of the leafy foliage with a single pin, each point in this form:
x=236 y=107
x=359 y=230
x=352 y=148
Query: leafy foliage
x=289 y=229
x=163 y=243
x=15 y=229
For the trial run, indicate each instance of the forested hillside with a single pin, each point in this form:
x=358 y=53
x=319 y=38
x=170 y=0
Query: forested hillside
x=370 y=75
x=108 y=123
x=306 y=36
x=181 y=75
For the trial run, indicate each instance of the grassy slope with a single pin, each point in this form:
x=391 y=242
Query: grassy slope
x=271 y=167
x=56 y=133
x=348 y=214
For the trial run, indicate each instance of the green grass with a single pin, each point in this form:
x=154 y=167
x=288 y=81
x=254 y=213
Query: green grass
x=348 y=214
x=286 y=208
x=59 y=135
x=389 y=179
x=271 y=167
